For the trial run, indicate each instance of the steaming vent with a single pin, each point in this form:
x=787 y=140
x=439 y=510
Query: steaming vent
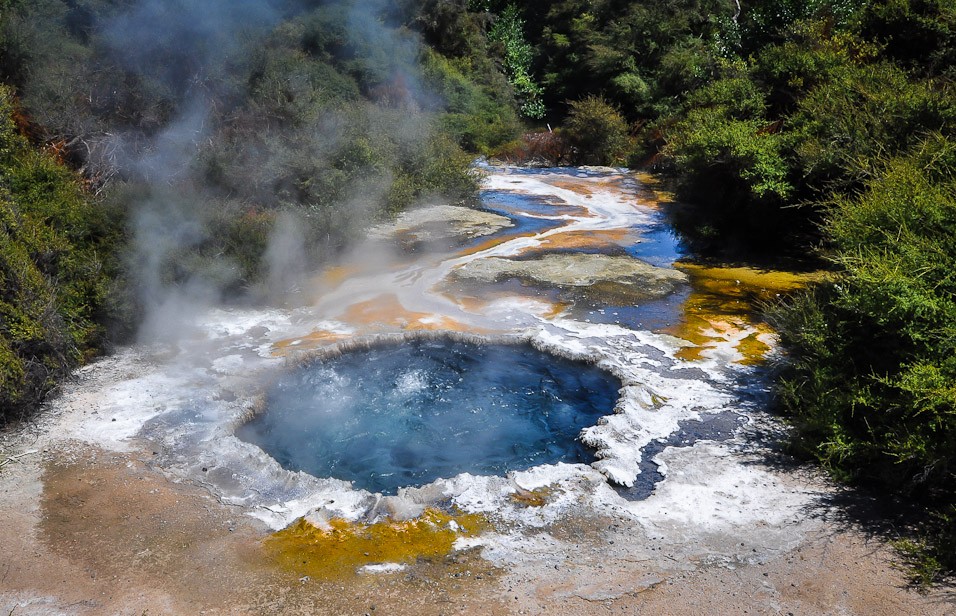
x=405 y=414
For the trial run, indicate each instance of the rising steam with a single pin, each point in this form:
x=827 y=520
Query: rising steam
x=196 y=54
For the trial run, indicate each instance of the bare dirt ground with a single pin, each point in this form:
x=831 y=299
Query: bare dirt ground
x=93 y=532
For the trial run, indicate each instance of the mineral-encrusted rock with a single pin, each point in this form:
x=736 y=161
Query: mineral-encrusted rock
x=616 y=280
x=441 y=224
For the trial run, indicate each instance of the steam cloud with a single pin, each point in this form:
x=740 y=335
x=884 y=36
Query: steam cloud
x=194 y=50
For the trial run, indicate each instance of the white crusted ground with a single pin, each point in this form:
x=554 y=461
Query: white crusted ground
x=182 y=400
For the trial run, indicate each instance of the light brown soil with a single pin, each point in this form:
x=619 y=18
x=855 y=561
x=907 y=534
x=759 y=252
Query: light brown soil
x=103 y=533
x=842 y=573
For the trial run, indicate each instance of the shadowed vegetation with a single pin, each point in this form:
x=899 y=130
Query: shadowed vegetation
x=55 y=269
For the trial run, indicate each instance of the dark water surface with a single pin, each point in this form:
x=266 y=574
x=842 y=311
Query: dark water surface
x=529 y=214
x=404 y=415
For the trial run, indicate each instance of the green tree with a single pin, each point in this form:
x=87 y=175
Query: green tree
x=55 y=267
x=596 y=132
x=517 y=56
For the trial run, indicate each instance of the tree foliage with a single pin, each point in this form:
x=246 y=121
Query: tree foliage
x=596 y=132
x=508 y=31
x=54 y=281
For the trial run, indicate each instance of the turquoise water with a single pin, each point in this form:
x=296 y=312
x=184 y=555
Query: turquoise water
x=405 y=415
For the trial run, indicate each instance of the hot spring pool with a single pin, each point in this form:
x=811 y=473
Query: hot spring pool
x=407 y=414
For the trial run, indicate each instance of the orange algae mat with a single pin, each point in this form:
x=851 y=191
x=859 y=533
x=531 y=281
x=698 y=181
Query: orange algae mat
x=595 y=239
x=344 y=547
x=381 y=313
x=721 y=307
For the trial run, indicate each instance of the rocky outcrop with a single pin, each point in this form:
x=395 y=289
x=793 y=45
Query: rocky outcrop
x=612 y=279
x=442 y=224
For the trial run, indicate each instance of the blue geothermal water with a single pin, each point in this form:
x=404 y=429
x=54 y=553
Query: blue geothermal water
x=407 y=414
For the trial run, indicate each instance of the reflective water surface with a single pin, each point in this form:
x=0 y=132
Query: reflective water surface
x=408 y=414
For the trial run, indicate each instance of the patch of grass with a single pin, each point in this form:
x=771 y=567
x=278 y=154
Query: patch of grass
x=921 y=565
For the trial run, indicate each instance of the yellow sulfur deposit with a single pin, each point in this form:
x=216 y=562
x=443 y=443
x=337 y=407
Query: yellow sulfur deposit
x=343 y=547
x=538 y=497
x=721 y=306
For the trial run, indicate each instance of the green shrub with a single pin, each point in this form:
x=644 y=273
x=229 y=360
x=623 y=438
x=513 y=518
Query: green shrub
x=714 y=150
x=919 y=35
x=766 y=22
x=871 y=382
x=54 y=283
x=810 y=55
x=287 y=86
x=518 y=54
x=597 y=132
x=735 y=166
x=863 y=112
x=480 y=116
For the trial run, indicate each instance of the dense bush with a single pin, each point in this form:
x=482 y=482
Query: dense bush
x=477 y=99
x=919 y=35
x=862 y=112
x=871 y=383
x=54 y=283
x=596 y=132
x=806 y=117
x=479 y=113
x=640 y=56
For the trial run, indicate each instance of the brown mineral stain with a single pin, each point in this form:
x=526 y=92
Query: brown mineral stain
x=344 y=547
x=386 y=311
x=602 y=240
x=310 y=341
x=469 y=303
x=492 y=242
x=576 y=186
x=444 y=324
x=538 y=497
x=619 y=186
x=377 y=315
x=489 y=243
x=652 y=190
x=336 y=275
x=480 y=302
x=557 y=309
